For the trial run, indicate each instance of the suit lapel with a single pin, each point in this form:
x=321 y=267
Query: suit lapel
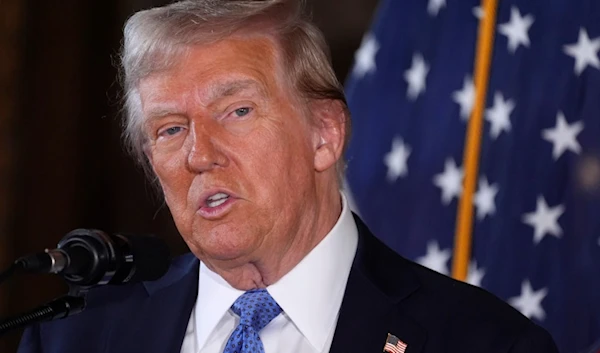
x=364 y=319
x=159 y=322
x=409 y=332
x=380 y=280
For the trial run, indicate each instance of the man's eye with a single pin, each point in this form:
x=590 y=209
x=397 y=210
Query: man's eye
x=172 y=130
x=242 y=111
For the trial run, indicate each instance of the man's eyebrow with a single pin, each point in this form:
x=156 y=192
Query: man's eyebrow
x=220 y=90
x=160 y=111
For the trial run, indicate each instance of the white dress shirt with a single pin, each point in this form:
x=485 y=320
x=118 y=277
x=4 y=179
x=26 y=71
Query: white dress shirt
x=310 y=296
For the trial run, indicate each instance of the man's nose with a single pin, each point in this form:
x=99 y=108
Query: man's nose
x=206 y=153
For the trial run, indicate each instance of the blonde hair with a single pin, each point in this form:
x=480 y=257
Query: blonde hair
x=155 y=38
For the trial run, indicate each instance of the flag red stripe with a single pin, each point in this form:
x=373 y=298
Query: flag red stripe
x=391 y=348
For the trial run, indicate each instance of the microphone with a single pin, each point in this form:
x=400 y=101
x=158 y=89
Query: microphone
x=89 y=257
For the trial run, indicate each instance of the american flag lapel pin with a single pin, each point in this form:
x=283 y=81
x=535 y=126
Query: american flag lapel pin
x=394 y=345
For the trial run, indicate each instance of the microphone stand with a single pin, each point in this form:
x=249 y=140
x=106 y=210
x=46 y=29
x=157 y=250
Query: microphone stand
x=72 y=303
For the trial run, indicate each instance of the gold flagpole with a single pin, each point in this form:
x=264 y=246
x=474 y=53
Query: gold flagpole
x=464 y=218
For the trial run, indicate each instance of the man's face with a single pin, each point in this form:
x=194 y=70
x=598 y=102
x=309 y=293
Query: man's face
x=233 y=153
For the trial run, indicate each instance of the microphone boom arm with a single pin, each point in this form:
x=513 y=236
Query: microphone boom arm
x=57 y=309
x=87 y=258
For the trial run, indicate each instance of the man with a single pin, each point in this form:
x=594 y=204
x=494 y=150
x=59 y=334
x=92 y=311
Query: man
x=236 y=112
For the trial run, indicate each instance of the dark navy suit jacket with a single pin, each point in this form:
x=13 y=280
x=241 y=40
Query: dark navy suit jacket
x=385 y=294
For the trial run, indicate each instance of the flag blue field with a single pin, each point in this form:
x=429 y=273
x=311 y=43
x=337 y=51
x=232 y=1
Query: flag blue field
x=536 y=234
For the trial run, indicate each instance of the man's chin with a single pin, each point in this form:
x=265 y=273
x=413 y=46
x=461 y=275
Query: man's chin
x=231 y=240
x=226 y=255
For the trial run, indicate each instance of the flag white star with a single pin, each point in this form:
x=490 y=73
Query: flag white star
x=450 y=181
x=585 y=52
x=544 y=220
x=563 y=136
x=484 y=198
x=475 y=275
x=478 y=12
x=465 y=98
x=436 y=258
x=396 y=159
x=529 y=303
x=415 y=76
x=499 y=115
x=434 y=6
x=516 y=29
x=365 y=56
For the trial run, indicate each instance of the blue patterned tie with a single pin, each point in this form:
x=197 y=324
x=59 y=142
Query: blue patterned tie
x=256 y=308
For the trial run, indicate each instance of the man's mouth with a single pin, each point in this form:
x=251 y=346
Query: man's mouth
x=217 y=203
x=217 y=199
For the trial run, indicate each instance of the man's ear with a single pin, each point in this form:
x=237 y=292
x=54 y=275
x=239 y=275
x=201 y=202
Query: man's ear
x=329 y=117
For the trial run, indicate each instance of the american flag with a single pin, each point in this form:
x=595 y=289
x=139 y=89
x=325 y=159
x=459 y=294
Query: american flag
x=394 y=345
x=536 y=225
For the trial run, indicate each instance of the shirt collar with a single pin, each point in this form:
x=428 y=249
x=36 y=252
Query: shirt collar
x=215 y=297
x=310 y=294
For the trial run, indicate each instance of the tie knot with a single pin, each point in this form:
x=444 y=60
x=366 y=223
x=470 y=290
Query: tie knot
x=256 y=308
